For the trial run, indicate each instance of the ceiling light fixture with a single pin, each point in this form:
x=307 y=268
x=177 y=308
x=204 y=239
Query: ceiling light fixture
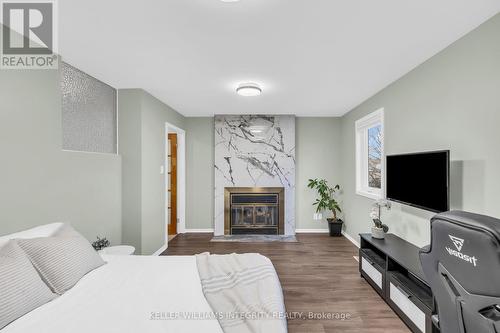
x=256 y=130
x=249 y=89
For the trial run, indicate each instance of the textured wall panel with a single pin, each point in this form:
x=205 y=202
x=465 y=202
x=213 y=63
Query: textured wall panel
x=88 y=112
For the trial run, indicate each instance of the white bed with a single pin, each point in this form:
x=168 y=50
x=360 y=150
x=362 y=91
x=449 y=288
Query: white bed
x=121 y=297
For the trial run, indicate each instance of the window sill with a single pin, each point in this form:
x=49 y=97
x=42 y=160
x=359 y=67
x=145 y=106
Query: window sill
x=371 y=195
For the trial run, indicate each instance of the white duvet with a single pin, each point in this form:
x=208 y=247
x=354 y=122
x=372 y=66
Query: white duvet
x=129 y=294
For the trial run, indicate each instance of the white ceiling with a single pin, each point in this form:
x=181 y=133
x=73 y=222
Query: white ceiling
x=311 y=57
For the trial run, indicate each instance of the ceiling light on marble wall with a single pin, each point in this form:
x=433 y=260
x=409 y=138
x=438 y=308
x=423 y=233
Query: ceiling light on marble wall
x=249 y=89
x=256 y=130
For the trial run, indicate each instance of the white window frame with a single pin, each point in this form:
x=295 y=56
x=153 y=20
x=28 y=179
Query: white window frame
x=361 y=128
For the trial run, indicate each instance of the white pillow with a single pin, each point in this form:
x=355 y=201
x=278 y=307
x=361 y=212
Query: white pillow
x=45 y=230
x=61 y=259
x=21 y=288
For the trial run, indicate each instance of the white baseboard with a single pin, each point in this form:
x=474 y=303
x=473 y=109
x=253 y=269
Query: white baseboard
x=199 y=230
x=352 y=240
x=311 y=231
x=160 y=250
x=323 y=231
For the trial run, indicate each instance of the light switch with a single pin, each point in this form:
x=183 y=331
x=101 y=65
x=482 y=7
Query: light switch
x=162 y=169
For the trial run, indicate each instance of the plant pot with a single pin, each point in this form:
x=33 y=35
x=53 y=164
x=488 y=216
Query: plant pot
x=335 y=227
x=378 y=233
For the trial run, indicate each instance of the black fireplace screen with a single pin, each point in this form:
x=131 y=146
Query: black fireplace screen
x=254 y=213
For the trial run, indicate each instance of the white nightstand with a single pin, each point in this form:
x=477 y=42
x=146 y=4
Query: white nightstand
x=119 y=250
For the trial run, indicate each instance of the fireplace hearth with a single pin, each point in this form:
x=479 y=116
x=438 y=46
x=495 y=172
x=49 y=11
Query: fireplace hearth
x=254 y=211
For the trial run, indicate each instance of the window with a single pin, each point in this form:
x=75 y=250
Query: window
x=370 y=155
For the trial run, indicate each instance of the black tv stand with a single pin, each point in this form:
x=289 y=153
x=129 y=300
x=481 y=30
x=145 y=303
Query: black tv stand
x=392 y=267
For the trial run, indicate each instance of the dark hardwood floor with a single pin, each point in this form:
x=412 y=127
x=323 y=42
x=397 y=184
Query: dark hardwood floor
x=318 y=274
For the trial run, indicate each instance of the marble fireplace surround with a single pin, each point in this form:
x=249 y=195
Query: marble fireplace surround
x=255 y=151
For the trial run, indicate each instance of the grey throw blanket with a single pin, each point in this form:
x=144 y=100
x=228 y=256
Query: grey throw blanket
x=244 y=292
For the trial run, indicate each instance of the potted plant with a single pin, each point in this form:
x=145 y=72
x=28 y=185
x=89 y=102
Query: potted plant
x=100 y=243
x=326 y=201
x=379 y=229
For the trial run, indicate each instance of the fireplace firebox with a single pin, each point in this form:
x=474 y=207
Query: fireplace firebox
x=254 y=211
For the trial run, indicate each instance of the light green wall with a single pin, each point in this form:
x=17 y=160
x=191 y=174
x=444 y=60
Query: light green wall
x=153 y=142
x=199 y=173
x=141 y=142
x=129 y=147
x=317 y=156
x=452 y=101
x=40 y=183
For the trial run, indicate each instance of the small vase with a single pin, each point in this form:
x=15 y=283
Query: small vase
x=378 y=233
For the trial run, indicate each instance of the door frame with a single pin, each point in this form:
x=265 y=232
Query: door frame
x=181 y=178
x=172 y=176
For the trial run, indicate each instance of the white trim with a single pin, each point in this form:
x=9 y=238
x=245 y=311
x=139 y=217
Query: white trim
x=370 y=118
x=117 y=123
x=89 y=152
x=370 y=195
x=352 y=240
x=160 y=250
x=311 y=231
x=325 y=231
x=360 y=130
x=198 y=230
x=181 y=179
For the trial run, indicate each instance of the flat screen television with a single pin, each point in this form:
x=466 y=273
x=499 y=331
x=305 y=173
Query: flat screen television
x=419 y=180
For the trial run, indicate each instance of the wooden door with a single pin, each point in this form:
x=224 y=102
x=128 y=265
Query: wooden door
x=172 y=184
